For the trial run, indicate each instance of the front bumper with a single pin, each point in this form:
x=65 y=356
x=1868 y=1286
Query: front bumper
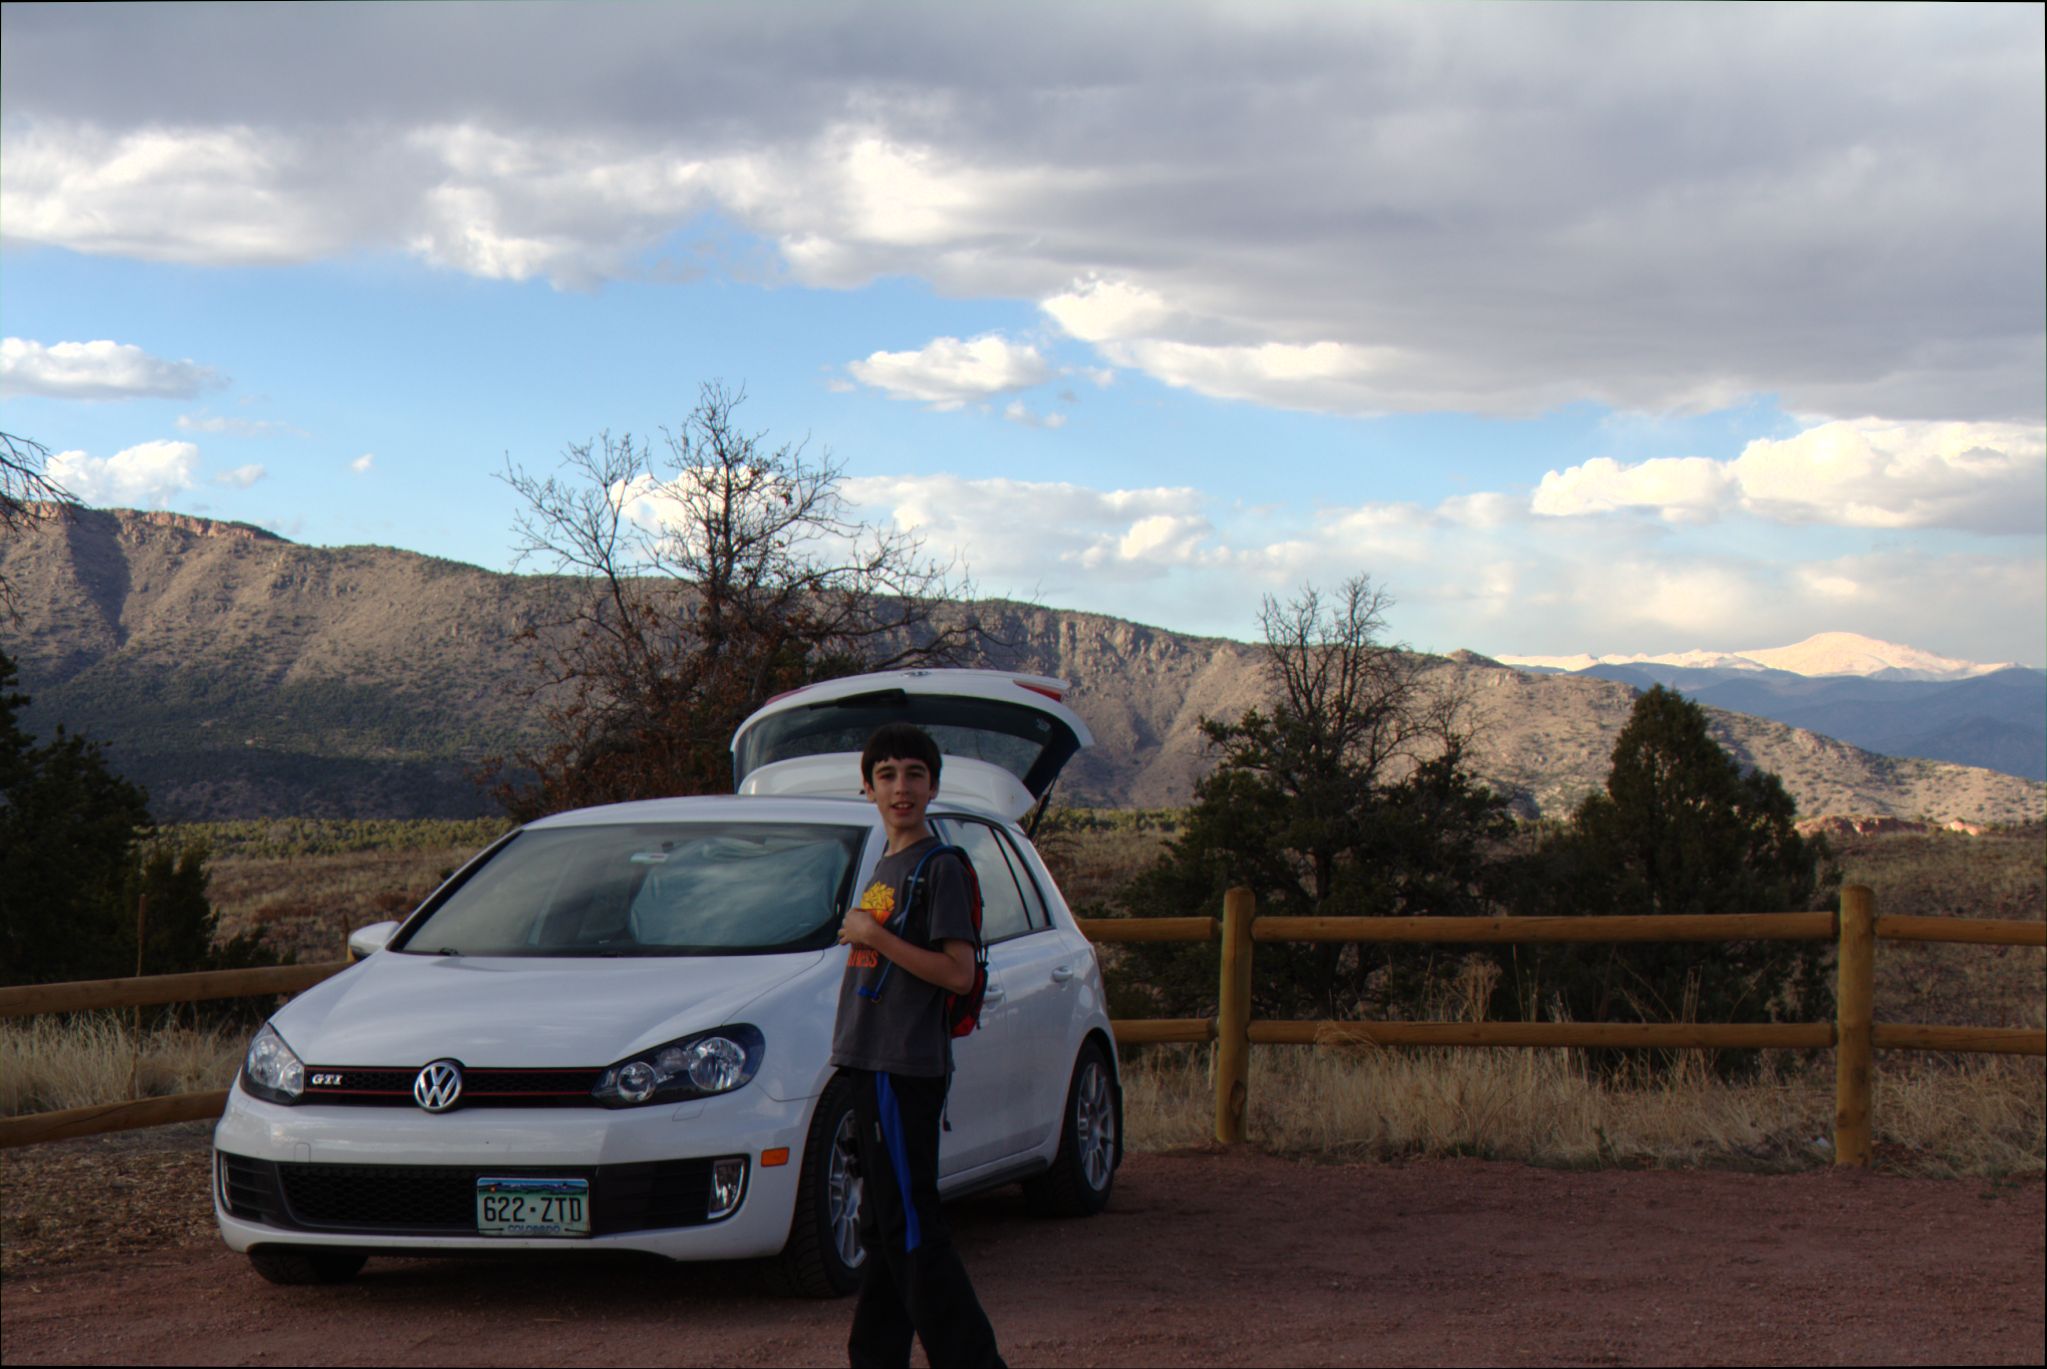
x=393 y=1179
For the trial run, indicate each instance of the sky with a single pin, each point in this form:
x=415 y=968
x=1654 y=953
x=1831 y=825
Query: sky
x=1577 y=328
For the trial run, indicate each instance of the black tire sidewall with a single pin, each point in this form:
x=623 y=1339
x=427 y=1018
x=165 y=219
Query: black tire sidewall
x=816 y=1195
x=1093 y=1052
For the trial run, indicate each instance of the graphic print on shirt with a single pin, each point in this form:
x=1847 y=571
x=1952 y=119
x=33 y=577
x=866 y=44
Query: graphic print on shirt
x=880 y=900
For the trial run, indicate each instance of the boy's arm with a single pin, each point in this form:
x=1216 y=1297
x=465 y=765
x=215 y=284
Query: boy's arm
x=950 y=967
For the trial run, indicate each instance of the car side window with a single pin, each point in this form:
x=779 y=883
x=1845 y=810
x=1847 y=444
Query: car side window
x=1033 y=899
x=1003 y=911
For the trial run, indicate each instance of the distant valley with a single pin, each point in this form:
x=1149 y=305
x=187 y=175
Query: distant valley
x=237 y=674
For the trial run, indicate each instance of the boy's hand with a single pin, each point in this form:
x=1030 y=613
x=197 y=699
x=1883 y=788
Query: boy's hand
x=951 y=968
x=857 y=928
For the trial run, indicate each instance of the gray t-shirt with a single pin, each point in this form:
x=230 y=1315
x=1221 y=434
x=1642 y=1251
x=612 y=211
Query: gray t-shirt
x=903 y=1030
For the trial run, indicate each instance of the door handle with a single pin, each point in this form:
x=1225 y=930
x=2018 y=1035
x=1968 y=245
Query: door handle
x=993 y=995
x=1061 y=973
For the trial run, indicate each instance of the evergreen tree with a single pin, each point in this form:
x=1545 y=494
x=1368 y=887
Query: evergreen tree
x=69 y=830
x=78 y=850
x=1680 y=829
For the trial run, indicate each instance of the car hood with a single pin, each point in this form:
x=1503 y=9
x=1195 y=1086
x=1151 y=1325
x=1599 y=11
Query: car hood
x=397 y=1010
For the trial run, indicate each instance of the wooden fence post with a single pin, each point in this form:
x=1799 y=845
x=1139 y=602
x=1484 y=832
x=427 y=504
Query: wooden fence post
x=135 y=1019
x=1233 y=1018
x=1853 y=1044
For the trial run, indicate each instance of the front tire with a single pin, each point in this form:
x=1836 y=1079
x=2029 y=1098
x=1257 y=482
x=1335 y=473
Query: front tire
x=824 y=1254
x=1080 y=1180
x=296 y=1268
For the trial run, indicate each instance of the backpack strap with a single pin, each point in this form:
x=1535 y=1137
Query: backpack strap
x=872 y=992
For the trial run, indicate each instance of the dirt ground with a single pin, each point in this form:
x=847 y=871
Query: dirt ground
x=1203 y=1258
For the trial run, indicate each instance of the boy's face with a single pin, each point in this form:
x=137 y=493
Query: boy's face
x=902 y=790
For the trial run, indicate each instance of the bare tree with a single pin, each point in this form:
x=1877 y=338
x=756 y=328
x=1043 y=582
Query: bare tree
x=694 y=587
x=1352 y=709
x=27 y=495
x=1346 y=793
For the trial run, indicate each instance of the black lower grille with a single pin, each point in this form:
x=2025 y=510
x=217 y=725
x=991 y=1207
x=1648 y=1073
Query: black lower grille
x=381 y=1197
x=440 y=1200
x=248 y=1189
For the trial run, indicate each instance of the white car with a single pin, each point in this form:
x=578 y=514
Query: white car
x=611 y=1030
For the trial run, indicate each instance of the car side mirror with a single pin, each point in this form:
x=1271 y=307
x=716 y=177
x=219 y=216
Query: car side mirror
x=367 y=941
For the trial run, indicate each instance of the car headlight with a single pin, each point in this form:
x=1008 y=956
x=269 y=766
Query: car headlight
x=271 y=1071
x=716 y=1061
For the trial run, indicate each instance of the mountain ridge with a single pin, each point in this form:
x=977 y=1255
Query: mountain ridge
x=238 y=674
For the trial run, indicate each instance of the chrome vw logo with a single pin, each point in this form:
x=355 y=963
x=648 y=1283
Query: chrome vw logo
x=438 y=1086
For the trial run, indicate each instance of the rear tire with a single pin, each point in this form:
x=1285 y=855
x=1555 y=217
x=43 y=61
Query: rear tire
x=1081 y=1178
x=295 y=1268
x=824 y=1254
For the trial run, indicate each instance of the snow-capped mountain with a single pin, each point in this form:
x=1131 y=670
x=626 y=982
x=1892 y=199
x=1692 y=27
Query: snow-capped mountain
x=1824 y=653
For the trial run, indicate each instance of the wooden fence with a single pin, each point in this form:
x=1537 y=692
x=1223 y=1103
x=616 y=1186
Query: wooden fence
x=1852 y=1036
x=87 y=994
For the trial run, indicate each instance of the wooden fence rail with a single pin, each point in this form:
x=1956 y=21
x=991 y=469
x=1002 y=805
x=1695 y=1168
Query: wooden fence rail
x=82 y=995
x=1853 y=1036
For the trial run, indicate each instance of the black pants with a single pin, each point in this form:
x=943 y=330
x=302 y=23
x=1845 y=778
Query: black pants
x=912 y=1281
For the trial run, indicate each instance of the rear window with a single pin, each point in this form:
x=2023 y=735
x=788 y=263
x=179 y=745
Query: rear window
x=649 y=890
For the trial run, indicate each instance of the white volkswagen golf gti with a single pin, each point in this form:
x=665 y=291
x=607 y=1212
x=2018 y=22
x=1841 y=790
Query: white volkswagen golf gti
x=611 y=1030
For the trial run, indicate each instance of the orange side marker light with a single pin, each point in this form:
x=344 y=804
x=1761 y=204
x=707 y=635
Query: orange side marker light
x=778 y=1156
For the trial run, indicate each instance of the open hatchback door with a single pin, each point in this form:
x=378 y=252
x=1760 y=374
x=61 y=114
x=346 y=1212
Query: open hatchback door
x=1004 y=736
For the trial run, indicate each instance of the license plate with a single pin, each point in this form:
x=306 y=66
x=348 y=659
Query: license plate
x=533 y=1207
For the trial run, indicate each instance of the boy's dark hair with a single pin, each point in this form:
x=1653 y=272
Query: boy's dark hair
x=899 y=742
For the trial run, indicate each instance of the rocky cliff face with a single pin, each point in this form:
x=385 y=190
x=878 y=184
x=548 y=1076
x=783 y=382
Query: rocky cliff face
x=237 y=675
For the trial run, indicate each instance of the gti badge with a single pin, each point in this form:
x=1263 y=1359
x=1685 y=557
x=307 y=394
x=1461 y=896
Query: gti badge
x=326 y=1081
x=438 y=1086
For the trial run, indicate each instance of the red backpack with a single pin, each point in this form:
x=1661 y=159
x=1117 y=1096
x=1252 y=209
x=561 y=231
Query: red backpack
x=962 y=1010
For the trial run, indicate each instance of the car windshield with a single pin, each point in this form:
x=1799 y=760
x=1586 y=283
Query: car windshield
x=735 y=888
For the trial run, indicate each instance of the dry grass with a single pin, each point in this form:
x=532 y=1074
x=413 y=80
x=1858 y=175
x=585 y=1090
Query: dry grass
x=1933 y=1114
x=1538 y=1106
x=51 y=1063
x=308 y=904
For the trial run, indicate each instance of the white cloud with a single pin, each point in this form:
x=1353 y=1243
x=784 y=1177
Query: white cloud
x=199 y=194
x=1980 y=476
x=241 y=477
x=236 y=427
x=1108 y=311
x=97 y=370
x=361 y=465
x=1016 y=411
x=1016 y=535
x=947 y=373
x=1475 y=570
x=148 y=475
x=1689 y=489
x=1486 y=509
x=1872 y=473
x=1355 y=209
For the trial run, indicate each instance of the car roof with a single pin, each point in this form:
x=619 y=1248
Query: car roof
x=844 y=812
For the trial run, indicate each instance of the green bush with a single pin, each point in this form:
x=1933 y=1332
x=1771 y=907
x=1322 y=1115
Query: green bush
x=82 y=859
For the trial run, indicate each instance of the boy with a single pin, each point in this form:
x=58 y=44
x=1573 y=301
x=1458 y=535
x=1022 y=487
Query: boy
x=895 y=1046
